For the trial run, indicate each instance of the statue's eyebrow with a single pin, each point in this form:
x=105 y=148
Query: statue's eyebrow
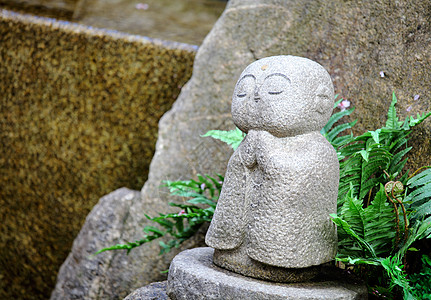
x=248 y=75
x=278 y=74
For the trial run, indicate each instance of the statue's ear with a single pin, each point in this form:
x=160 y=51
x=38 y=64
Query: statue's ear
x=324 y=99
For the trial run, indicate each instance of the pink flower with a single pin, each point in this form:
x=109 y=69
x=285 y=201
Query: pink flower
x=343 y=105
x=409 y=108
x=182 y=212
x=143 y=6
x=382 y=74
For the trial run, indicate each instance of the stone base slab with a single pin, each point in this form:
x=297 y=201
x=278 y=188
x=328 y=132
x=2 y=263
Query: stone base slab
x=153 y=291
x=192 y=275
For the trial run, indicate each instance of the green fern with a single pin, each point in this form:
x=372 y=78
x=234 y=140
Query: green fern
x=180 y=226
x=332 y=134
x=376 y=157
x=418 y=201
x=232 y=137
x=372 y=225
x=392 y=121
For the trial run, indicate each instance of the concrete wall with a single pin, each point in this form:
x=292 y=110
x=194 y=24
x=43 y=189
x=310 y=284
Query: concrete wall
x=78 y=119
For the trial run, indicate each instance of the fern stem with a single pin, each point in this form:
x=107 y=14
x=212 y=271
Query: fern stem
x=406 y=232
x=369 y=197
x=420 y=169
x=397 y=238
x=389 y=177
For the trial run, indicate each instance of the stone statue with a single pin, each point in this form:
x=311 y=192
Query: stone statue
x=272 y=219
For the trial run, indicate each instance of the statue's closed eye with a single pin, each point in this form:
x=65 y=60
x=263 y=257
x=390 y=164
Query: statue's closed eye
x=275 y=93
x=275 y=83
x=245 y=85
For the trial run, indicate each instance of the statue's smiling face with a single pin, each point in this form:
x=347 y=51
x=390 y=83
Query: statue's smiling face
x=278 y=95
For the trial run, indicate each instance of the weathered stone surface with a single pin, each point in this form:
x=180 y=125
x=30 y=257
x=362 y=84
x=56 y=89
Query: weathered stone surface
x=153 y=291
x=192 y=275
x=185 y=21
x=354 y=41
x=79 y=109
x=112 y=274
x=84 y=276
x=282 y=181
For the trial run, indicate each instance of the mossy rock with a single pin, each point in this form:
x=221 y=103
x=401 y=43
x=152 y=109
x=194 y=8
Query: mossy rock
x=79 y=113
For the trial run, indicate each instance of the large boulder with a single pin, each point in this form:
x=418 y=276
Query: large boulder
x=354 y=41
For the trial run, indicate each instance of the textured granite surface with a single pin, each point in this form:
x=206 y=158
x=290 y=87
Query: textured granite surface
x=79 y=112
x=192 y=275
x=154 y=291
x=282 y=182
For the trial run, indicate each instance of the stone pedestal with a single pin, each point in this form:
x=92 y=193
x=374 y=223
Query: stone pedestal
x=192 y=275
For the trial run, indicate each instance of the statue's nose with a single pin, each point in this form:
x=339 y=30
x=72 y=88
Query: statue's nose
x=256 y=93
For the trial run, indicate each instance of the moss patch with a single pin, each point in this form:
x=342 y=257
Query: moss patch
x=79 y=113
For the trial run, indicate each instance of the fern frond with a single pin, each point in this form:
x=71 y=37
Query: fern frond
x=232 y=137
x=331 y=135
x=379 y=226
x=352 y=233
x=367 y=186
x=420 y=118
x=422 y=178
x=334 y=119
x=392 y=120
x=395 y=165
x=419 y=200
x=423 y=210
x=419 y=231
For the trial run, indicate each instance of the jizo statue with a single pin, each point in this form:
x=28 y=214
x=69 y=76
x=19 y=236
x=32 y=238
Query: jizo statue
x=272 y=219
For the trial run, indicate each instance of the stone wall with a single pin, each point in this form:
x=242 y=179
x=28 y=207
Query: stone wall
x=78 y=119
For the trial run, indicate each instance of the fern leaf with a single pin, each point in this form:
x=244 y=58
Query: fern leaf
x=418 y=231
x=202 y=200
x=367 y=186
x=365 y=154
x=397 y=170
x=339 y=129
x=413 y=197
x=217 y=182
x=396 y=159
x=351 y=149
x=375 y=135
x=420 y=118
x=419 y=200
x=379 y=226
x=422 y=211
x=233 y=137
x=392 y=121
x=342 y=140
x=334 y=118
x=374 y=165
x=349 y=230
x=420 y=179
x=396 y=140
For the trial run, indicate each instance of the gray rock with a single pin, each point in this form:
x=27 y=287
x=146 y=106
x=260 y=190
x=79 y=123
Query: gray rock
x=84 y=276
x=282 y=181
x=192 y=275
x=154 y=291
x=112 y=274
